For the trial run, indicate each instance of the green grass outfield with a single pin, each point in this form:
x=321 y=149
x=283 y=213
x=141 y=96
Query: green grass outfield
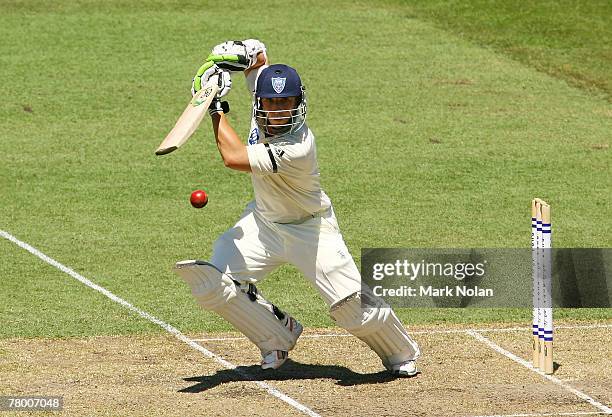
x=435 y=127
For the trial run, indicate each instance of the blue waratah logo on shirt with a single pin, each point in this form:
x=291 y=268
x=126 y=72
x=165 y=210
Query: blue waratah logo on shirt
x=254 y=136
x=278 y=84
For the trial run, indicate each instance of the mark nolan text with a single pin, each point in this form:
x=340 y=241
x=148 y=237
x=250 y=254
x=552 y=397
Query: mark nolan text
x=429 y=291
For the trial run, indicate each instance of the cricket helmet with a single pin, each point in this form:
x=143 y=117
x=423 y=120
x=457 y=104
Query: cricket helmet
x=279 y=80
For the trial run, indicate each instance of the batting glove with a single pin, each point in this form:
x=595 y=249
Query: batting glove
x=203 y=75
x=230 y=56
x=218 y=106
x=236 y=55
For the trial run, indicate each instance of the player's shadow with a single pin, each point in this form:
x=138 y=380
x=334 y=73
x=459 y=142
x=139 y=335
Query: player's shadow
x=290 y=371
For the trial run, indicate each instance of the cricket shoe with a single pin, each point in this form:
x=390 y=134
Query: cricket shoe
x=275 y=358
x=406 y=369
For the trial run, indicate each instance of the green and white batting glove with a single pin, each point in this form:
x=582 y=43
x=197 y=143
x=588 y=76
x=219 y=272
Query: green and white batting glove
x=203 y=75
x=236 y=55
x=230 y=56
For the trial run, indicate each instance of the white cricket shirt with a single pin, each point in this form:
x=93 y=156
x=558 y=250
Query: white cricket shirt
x=284 y=171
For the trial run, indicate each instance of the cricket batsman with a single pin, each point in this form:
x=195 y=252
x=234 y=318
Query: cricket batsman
x=291 y=220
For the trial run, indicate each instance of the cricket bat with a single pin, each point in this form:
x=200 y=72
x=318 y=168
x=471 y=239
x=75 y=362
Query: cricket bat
x=191 y=117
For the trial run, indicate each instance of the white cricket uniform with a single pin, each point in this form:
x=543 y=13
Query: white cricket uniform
x=291 y=219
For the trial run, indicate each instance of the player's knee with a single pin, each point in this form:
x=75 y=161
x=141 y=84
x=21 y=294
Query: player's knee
x=223 y=254
x=259 y=320
x=211 y=288
x=361 y=313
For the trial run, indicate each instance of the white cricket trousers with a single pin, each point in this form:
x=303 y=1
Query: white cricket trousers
x=254 y=247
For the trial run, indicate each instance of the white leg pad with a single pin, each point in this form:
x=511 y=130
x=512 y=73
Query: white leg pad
x=372 y=320
x=216 y=291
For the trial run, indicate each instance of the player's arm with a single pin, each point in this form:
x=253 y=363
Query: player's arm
x=230 y=56
x=231 y=148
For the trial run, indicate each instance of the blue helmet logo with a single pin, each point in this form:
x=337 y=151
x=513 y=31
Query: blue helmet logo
x=278 y=84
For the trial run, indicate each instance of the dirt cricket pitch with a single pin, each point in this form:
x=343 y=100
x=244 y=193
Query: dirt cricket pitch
x=331 y=374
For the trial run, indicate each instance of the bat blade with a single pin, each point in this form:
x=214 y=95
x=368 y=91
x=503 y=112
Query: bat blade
x=189 y=121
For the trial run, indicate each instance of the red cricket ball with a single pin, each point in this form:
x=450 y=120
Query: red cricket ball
x=198 y=199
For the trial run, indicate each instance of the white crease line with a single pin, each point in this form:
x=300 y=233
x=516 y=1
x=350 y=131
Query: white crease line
x=561 y=326
x=585 y=326
x=574 y=413
x=307 y=336
x=322 y=335
x=169 y=328
x=551 y=378
x=450 y=331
